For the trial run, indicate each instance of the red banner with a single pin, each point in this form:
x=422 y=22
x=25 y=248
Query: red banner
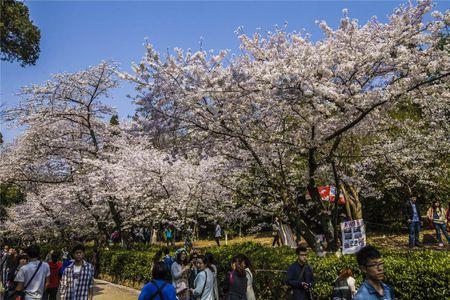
x=328 y=193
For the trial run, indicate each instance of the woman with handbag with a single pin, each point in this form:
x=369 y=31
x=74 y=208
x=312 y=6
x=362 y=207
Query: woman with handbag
x=235 y=285
x=247 y=264
x=212 y=265
x=22 y=261
x=204 y=282
x=436 y=214
x=179 y=272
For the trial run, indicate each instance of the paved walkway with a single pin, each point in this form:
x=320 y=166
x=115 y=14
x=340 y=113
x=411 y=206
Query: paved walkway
x=104 y=290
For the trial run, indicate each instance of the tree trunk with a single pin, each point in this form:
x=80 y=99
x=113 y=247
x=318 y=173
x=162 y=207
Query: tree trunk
x=324 y=217
x=301 y=228
x=336 y=204
x=354 y=206
x=348 y=211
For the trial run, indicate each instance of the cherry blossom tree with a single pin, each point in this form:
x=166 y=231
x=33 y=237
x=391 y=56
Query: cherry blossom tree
x=282 y=108
x=64 y=126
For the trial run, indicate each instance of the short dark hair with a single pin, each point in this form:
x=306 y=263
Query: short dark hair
x=22 y=256
x=159 y=271
x=210 y=258
x=366 y=253
x=166 y=250
x=78 y=247
x=33 y=251
x=55 y=256
x=300 y=249
x=203 y=258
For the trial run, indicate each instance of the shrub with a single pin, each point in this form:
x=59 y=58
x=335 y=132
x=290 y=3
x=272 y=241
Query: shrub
x=414 y=275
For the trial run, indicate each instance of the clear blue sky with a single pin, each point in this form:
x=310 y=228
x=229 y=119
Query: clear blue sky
x=78 y=34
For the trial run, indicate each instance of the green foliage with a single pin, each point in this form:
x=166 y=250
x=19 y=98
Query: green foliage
x=19 y=38
x=9 y=194
x=114 y=120
x=413 y=275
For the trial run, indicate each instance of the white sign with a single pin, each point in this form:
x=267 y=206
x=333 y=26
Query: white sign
x=353 y=236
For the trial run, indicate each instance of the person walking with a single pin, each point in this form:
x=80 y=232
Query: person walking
x=212 y=265
x=22 y=260
x=235 y=285
x=344 y=286
x=193 y=271
x=373 y=287
x=218 y=234
x=77 y=282
x=168 y=261
x=33 y=278
x=299 y=276
x=158 y=288
x=168 y=233
x=7 y=269
x=4 y=250
x=248 y=273
x=3 y=270
x=412 y=213
x=436 y=214
x=55 y=266
x=179 y=272
x=447 y=217
x=276 y=228
x=204 y=282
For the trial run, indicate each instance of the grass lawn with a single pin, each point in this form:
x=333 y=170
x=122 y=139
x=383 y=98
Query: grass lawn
x=392 y=241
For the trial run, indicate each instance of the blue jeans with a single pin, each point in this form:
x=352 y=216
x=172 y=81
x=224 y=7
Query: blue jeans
x=414 y=229
x=438 y=228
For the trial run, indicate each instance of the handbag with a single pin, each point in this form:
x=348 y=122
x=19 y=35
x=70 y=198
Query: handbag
x=180 y=287
x=20 y=295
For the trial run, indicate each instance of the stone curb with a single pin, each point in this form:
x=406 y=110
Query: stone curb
x=118 y=286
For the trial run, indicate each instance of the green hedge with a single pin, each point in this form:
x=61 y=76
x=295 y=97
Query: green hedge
x=413 y=275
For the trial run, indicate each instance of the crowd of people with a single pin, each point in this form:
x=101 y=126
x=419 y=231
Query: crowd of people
x=193 y=275
x=65 y=276
x=190 y=275
x=436 y=215
x=183 y=276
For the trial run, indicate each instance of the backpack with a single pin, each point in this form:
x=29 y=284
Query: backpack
x=158 y=291
x=341 y=290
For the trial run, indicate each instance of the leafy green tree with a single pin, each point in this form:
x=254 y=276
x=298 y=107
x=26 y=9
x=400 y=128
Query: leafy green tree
x=114 y=120
x=19 y=37
x=9 y=194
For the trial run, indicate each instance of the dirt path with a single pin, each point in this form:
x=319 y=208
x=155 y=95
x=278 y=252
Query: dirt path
x=104 y=290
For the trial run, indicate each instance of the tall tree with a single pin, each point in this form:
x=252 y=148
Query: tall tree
x=287 y=101
x=19 y=38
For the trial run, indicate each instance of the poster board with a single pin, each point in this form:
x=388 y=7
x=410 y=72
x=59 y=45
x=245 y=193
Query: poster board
x=353 y=236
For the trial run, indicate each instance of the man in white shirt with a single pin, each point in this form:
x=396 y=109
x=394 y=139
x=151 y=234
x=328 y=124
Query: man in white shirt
x=33 y=278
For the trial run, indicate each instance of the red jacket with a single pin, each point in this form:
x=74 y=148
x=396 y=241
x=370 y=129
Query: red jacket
x=54 y=273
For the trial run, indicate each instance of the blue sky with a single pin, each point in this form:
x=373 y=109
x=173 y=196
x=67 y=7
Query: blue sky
x=78 y=34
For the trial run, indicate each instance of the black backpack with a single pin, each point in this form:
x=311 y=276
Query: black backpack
x=341 y=290
x=158 y=291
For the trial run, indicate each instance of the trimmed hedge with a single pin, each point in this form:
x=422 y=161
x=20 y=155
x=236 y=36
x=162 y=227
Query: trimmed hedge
x=413 y=275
